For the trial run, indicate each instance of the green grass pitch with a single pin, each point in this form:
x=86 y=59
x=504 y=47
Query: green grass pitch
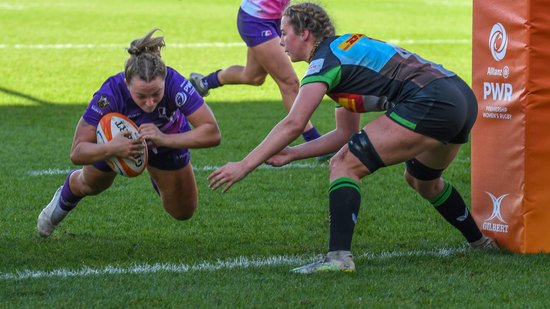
x=121 y=250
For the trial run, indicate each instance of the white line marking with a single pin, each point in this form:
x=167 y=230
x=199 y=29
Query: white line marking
x=432 y=41
x=206 y=44
x=206 y=168
x=236 y=263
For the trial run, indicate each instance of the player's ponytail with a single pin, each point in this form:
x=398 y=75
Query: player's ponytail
x=145 y=61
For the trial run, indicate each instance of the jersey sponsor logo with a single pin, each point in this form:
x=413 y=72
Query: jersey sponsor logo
x=188 y=87
x=498 y=41
x=181 y=98
x=163 y=112
x=495 y=222
x=102 y=102
x=347 y=44
x=97 y=110
x=266 y=33
x=351 y=102
x=315 y=66
x=361 y=103
x=134 y=115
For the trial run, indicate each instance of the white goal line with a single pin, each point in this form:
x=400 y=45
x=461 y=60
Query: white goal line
x=235 y=263
x=207 y=44
x=206 y=168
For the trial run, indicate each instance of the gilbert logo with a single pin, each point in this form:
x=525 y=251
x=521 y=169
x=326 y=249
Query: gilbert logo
x=498 y=41
x=500 y=225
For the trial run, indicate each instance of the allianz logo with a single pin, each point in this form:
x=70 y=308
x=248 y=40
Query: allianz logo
x=504 y=72
x=495 y=222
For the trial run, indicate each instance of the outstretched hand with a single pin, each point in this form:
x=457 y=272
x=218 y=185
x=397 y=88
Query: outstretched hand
x=228 y=174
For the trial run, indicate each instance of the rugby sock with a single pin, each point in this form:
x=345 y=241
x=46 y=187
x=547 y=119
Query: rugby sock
x=451 y=206
x=311 y=134
x=211 y=81
x=344 y=202
x=68 y=200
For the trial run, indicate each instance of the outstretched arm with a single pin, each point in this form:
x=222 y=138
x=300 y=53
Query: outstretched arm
x=286 y=131
x=347 y=123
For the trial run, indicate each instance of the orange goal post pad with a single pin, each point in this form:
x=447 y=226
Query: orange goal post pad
x=511 y=138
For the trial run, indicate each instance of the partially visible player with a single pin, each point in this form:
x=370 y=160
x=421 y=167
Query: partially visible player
x=164 y=105
x=259 y=24
x=429 y=114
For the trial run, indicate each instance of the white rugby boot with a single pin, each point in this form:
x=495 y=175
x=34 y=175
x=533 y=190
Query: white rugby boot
x=45 y=225
x=196 y=81
x=484 y=243
x=334 y=261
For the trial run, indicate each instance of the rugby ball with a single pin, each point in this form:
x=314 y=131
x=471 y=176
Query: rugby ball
x=109 y=126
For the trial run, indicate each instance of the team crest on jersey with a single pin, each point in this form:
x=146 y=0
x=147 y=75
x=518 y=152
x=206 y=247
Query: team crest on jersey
x=102 y=102
x=315 y=66
x=347 y=44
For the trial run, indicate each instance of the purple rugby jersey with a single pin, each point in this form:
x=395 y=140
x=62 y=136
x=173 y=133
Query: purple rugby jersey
x=180 y=100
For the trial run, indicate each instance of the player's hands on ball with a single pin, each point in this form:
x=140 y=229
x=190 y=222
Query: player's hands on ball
x=228 y=174
x=124 y=147
x=150 y=132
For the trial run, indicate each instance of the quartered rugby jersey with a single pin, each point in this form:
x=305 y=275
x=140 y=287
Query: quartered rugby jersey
x=364 y=74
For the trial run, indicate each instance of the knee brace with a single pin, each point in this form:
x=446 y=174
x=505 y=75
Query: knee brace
x=362 y=148
x=421 y=171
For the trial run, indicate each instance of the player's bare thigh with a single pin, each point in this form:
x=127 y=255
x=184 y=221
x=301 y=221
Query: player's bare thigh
x=392 y=142
x=271 y=56
x=178 y=190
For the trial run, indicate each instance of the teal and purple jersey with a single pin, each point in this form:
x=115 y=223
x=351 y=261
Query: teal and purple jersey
x=180 y=100
x=265 y=9
x=363 y=74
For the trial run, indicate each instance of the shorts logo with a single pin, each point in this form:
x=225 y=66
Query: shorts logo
x=347 y=44
x=498 y=41
x=266 y=33
x=500 y=226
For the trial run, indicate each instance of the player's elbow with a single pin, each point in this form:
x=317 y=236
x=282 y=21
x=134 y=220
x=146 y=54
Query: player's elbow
x=76 y=158
x=215 y=137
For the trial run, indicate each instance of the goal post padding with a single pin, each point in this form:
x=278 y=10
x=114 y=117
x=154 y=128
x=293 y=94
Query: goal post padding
x=511 y=137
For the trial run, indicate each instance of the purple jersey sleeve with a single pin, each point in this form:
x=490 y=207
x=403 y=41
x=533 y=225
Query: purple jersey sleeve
x=179 y=91
x=107 y=99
